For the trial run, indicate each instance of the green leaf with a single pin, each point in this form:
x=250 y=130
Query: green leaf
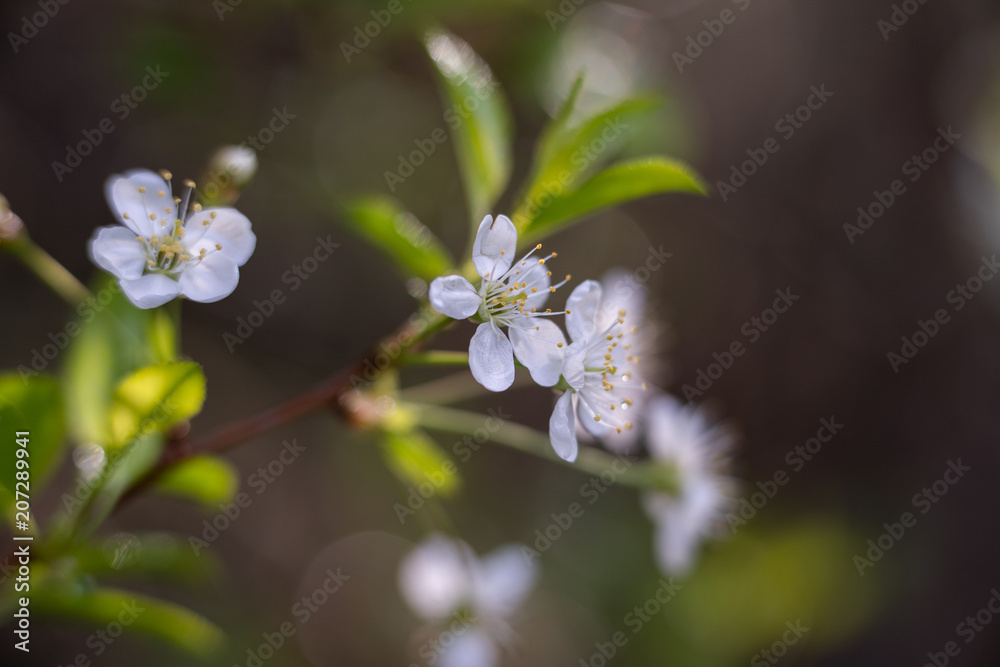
x=111 y=339
x=160 y=619
x=32 y=404
x=416 y=459
x=155 y=398
x=618 y=184
x=160 y=555
x=385 y=224
x=208 y=480
x=566 y=154
x=479 y=118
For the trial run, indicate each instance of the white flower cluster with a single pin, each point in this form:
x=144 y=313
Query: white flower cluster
x=601 y=371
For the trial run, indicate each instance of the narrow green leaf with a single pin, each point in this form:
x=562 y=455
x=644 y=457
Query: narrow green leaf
x=33 y=405
x=159 y=619
x=386 y=225
x=618 y=184
x=566 y=154
x=155 y=398
x=208 y=480
x=416 y=459
x=479 y=118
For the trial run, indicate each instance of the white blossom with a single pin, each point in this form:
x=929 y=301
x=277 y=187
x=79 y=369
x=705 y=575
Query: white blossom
x=601 y=370
x=511 y=294
x=681 y=436
x=167 y=247
x=443 y=577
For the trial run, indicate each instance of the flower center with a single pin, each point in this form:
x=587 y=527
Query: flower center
x=611 y=380
x=167 y=252
x=519 y=292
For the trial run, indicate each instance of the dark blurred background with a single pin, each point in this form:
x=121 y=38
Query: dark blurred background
x=229 y=67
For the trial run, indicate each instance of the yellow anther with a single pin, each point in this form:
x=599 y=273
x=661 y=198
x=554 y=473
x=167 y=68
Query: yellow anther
x=212 y=215
x=196 y=207
x=142 y=190
x=559 y=344
x=125 y=216
x=218 y=246
x=189 y=183
x=534 y=289
x=597 y=418
x=152 y=216
x=205 y=223
x=538 y=247
x=162 y=193
x=166 y=174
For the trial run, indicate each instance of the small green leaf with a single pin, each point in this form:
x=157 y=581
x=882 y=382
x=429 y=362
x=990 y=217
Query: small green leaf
x=161 y=555
x=208 y=480
x=34 y=405
x=398 y=233
x=111 y=339
x=416 y=459
x=155 y=398
x=479 y=118
x=160 y=619
x=617 y=184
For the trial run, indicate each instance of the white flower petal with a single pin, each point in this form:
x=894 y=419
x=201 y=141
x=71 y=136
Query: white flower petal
x=116 y=250
x=491 y=357
x=471 y=648
x=210 y=279
x=675 y=546
x=434 y=578
x=536 y=343
x=226 y=227
x=562 y=428
x=573 y=366
x=149 y=212
x=503 y=580
x=455 y=297
x=586 y=413
x=152 y=290
x=494 y=247
x=582 y=307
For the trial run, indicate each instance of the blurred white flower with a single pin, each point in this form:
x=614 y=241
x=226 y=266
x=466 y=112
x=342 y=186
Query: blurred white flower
x=601 y=368
x=160 y=251
x=510 y=295
x=681 y=436
x=443 y=577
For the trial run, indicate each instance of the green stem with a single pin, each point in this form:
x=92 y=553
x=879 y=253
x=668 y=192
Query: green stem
x=436 y=358
x=640 y=475
x=49 y=271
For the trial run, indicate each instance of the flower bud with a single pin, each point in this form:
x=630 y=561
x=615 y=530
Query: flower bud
x=230 y=170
